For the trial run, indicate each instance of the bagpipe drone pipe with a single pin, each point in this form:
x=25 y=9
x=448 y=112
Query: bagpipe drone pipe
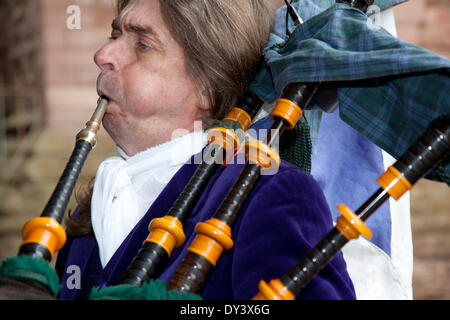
x=415 y=163
x=29 y=275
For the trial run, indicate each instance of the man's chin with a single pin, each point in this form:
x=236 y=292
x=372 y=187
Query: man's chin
x=109 y=125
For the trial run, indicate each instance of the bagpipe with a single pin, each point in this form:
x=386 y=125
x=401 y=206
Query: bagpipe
x=29 y=275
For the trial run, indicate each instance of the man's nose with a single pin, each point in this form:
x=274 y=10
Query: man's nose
x=105 y=58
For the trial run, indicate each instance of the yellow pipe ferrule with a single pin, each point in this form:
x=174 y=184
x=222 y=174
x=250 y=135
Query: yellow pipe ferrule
x=394 y=183
x=288 y=111
x=274 y=290
x=262 y=154
x=45 y=231
x=239 y=115
x=167 y=232
x=213 y=237
x=225 y=138
x=350 y=225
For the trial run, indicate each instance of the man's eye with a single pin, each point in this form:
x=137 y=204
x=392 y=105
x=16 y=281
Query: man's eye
x=115 y=34
x=142 y=46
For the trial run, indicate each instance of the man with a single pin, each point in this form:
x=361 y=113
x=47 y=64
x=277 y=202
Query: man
x=168 y=64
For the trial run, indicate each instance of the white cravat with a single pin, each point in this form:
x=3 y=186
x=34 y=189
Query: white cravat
x=125 y=188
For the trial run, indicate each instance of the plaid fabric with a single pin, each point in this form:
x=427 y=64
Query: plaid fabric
x=389 y=90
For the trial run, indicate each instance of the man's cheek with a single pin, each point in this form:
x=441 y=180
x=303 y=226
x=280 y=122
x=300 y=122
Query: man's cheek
x=108 y=122
x=141 y=101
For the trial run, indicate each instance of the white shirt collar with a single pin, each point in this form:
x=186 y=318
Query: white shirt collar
x=125 y=187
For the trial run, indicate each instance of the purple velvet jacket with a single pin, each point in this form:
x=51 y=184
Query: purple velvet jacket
x=284 y=216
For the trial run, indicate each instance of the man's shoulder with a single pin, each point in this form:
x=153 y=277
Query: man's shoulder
x=286 y=177
x=288 y=186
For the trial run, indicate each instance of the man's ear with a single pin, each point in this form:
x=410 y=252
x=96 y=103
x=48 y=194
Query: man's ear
x=205 y=106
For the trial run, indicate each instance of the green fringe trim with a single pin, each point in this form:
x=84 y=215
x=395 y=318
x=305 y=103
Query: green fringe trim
x=37 y=269
x=213 y=123
x=232 y=125
x=153 y=290
x=296 y=145
x=443 y=174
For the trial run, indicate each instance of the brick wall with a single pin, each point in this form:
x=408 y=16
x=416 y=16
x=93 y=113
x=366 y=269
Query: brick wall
x=70 y=78
x=21 y=82
x=425 y=23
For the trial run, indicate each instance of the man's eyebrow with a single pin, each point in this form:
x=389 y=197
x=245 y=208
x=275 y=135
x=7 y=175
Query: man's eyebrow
x=137 y=29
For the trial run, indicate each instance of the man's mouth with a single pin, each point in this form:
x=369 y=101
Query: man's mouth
x=103 y=94
x=106 y=96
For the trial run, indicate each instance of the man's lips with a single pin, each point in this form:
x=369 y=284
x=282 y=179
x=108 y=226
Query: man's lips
x=102 y=94
x=101 y=88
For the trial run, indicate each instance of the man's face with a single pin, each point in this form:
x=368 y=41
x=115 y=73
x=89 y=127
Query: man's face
x=143 y=73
